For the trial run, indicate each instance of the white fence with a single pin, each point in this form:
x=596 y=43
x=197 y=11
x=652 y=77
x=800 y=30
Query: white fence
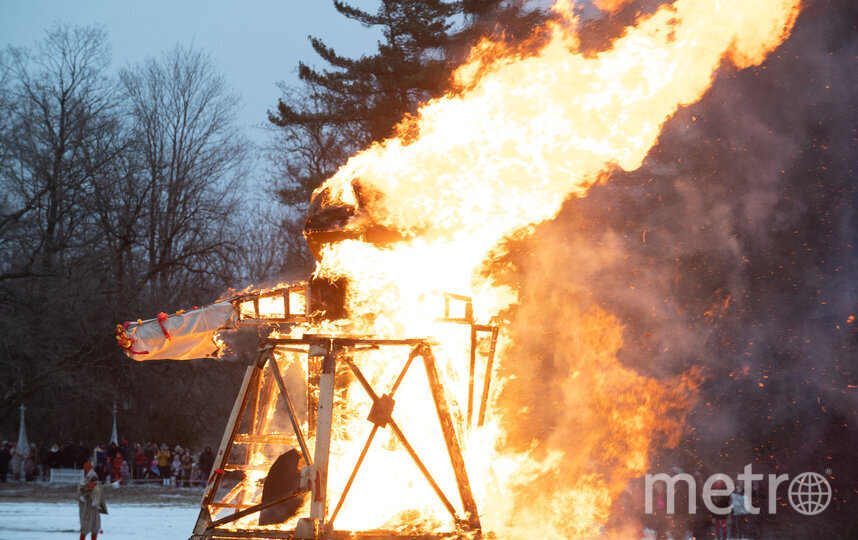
x=66 y=476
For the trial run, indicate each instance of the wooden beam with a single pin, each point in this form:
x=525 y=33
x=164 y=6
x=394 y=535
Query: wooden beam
x=253 y=509
x=230 y=505
x=271 y=438
x=369 y=439
x=324 y=421
x=353 y=475
x=408 y=448
x=309 y=339
x=450 y=438
x=290 y=410
x=248 y=384
x=471 y=370
x=244 y=467
x=487 y=378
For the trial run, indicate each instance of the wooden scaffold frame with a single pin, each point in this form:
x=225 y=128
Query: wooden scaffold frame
x=334 y=351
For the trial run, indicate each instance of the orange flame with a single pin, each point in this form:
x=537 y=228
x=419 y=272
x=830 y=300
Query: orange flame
x=523 y=132
x=610 y=5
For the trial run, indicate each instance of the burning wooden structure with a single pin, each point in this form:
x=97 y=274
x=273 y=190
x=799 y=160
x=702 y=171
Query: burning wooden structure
x=431 y=210
x=251 y=431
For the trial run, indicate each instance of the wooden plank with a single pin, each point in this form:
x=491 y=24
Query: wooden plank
x=456 y=320
x=247 y=533
x=244 y=467
x=254 y=414
x=324 y=421
x=487 y=379
x=346 y=342
x=353 y=474
x=254 y=509
x=229 y=505
x=290 y=410
x=231 y=494
x=336 y=535
x=251 y=378
x=249 y=383
x=450 y=438
x=275 y=320
x=471 y=370
x=459 y=297
x=271 y=438
x=405 y=444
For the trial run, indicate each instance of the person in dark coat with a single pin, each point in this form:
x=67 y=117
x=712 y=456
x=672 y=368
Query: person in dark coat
x=54 y=457
x=67 y=456
x=81 y=454
x=5 y=458
x=44 y=462
x=206 y=461
x=284 y=479
x=100 y=464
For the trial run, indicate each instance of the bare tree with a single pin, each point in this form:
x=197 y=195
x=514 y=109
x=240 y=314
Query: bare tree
x=193 y=162
x=9 y=213
x=59 y=131
x=119 y=197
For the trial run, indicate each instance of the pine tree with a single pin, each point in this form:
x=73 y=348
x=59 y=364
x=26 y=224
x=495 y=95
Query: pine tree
x=374 y=92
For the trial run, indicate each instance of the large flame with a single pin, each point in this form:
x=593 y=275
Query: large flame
x=524 y=130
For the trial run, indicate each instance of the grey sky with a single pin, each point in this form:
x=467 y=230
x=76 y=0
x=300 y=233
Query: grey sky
x=253 y=43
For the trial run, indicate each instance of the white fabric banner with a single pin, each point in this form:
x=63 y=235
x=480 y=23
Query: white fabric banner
x=192 y=334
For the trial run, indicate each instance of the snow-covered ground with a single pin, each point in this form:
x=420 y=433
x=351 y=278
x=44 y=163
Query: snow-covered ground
x=126 y=521
x=53 y=521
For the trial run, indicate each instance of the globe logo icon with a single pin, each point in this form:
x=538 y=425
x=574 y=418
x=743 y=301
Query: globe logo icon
x=809 y=493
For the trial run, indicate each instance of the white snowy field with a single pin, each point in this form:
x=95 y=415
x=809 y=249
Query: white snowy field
x=128 y=521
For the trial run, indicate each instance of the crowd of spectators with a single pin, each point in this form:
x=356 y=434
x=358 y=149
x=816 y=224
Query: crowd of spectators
x=123 y=463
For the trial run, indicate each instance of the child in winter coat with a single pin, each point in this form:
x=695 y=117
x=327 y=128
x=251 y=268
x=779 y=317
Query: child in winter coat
x=187 y=465
x=196 y=475
x=176 y=469
x=124 y=472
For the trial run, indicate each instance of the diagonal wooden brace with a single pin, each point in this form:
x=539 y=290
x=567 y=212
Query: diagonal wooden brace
x=290 y=409
x=450 y=439
x=371 y=436
x=408 y=448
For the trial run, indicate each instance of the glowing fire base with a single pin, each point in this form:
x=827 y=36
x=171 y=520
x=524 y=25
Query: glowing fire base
x=319 y=525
